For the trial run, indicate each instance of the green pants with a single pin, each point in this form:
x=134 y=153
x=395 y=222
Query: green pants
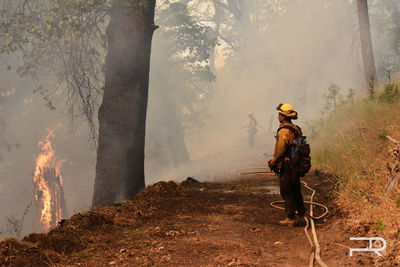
x=290 y=188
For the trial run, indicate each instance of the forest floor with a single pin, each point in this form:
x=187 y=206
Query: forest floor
x=220 y=223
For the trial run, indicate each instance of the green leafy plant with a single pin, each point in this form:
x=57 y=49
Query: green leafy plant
x=379 y=226
x=397 y=201
x=383 y=134
x=390 y=93
x=350 y=96
x=332 y=98
x=391 y=90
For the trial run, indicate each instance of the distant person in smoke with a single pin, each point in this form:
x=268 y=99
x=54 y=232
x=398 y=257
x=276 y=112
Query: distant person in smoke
x=290 y=187
x=251 y=129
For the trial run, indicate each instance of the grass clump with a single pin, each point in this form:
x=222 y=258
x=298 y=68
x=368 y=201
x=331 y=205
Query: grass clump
x=397 y=201
x=379 y=226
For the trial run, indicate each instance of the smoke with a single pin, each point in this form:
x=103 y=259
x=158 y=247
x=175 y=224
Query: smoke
x=26 y=119
x=291 y=56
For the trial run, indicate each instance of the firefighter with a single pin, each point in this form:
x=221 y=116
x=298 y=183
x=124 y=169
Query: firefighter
x=251 y=129
x=290 y=187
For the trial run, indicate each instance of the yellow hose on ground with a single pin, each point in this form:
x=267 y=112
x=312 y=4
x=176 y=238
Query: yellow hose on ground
x=317 y=252
x=274 y=204
x=247 y=170
x=311 y=263
x=316 y=248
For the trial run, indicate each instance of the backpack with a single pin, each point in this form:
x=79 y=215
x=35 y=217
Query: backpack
x=299 y=152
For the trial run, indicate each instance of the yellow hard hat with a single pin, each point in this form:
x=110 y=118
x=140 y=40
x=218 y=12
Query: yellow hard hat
x=287 y=110
x=250 y=114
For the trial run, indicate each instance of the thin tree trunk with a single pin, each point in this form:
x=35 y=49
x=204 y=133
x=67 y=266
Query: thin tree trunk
x=167 y=125
x=122 y=115
x=366 y=44
x=176 y=137
x=217 y=19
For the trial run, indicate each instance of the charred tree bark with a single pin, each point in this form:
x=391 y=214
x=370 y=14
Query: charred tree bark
x=366 y=44
x=122 y=115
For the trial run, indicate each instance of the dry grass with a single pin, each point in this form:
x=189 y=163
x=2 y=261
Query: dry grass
x=353 y=146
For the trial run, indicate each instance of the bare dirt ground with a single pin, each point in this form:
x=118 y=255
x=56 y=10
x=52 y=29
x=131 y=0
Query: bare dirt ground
x=226 y=223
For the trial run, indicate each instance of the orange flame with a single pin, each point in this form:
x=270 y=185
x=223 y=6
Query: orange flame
x=47 y=183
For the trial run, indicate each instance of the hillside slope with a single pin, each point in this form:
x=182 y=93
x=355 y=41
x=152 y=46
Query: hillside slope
x=226 y=223
x=359 y=143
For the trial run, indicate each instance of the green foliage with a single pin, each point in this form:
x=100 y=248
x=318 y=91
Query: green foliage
x=350 y=96
x=183 y=44
x=64 y=40
x=383 y=134
x=379 y=226
x=332 y=97
x=186 y=40
x=397 y=201
x=390 y=93
x=341 y=141
x=47 y=21
x=67 y=38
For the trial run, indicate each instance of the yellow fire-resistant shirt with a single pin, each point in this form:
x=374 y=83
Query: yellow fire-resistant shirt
x=284 y=139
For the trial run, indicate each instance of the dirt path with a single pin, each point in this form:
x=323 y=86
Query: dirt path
x=213 y=224
x=194 y=224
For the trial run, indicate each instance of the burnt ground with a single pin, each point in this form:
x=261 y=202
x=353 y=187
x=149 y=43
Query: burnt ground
x=226 y=223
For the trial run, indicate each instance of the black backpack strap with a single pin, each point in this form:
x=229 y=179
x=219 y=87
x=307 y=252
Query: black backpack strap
x=297 y=131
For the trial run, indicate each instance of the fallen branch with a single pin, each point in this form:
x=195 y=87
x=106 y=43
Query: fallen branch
x=391 y=139
x=391 y=184
x=341 y=245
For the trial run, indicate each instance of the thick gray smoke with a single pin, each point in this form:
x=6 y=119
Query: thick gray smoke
x=26 y=119
x=311 y=45
x=297 y=55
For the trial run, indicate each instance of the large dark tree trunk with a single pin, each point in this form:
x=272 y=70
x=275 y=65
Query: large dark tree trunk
x=122 y=115
x=366 y=44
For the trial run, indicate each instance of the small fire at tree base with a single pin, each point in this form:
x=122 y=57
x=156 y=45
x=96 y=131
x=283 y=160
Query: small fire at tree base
x=47 y=186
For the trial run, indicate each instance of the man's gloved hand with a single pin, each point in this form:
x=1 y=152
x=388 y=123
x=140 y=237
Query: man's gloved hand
x=270 y=164
x=272 y=167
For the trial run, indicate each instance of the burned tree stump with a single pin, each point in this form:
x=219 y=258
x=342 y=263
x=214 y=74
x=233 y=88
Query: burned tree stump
x=49 y=198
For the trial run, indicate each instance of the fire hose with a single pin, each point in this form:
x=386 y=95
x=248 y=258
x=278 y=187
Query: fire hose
x=315 y=255
x=315 y=245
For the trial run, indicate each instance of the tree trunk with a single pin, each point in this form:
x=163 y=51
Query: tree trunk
x=175 y=137
x=366 y=44
x=215 y=35
x=122 y=115
x=165 y=128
